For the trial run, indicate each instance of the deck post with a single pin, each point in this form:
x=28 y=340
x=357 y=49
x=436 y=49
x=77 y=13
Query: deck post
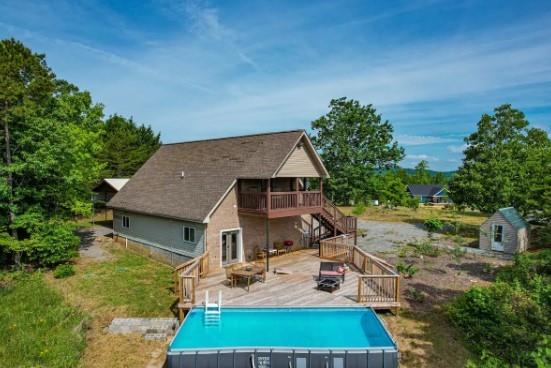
x=267 y=229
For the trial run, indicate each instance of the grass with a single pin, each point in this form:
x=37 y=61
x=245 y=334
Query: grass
x=427 y=340
x=127 y=281
x=38 y=328
x=123 y=284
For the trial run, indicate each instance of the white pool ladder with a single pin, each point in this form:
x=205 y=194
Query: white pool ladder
x=213 y=310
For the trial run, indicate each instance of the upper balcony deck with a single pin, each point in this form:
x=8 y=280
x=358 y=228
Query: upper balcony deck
x=278 y=197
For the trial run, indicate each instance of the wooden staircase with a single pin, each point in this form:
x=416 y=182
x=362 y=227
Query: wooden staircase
x=332 y=222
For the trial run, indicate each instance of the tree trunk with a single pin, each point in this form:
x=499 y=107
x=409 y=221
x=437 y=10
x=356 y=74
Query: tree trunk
x=9 y=180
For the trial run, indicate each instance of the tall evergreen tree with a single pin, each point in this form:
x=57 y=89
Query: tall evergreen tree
x=126 y=146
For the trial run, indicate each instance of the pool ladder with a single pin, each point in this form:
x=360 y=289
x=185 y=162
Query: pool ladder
x=213 y=310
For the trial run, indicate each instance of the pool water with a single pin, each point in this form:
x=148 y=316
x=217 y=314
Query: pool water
x=306 y=328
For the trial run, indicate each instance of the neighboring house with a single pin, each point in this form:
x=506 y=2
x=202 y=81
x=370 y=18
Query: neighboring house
x=505 y=231
x=230 y=196
x=429 y=193
x=107 y=188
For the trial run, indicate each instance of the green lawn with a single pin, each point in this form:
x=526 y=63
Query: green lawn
x=142 y=287
x=37 y=327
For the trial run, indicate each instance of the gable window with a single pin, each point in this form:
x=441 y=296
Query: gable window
x=189 y=234
x=126 y=222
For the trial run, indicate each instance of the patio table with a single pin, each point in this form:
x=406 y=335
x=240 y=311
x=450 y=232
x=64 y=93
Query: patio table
x=248 y=272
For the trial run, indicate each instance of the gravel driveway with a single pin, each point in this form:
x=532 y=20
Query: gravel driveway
x=387 y=236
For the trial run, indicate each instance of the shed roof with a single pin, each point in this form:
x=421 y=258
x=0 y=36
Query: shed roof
x=425 y=190
x=513 y=217
x=186 y=180
x=115 y=183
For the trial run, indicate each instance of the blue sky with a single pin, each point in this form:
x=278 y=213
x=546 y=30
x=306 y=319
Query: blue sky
x=199 y=69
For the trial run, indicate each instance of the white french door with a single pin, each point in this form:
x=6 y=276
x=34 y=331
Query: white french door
x=230 y=244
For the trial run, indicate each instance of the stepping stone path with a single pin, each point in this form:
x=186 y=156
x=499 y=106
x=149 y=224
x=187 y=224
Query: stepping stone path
x=151 y=328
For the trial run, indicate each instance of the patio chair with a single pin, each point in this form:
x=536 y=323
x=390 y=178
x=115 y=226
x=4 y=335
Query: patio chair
x=229 y=275
x=280 y=247
x=332 y=270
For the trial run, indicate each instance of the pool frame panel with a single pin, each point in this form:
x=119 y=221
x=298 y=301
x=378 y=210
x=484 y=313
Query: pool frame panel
x=375 y=357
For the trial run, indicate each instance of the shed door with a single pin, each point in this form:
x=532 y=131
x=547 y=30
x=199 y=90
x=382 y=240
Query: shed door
x=497 y=237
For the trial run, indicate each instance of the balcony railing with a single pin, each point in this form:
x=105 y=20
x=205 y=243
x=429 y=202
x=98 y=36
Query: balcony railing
x=274 y=202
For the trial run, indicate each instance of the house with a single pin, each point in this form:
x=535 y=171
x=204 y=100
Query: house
x=505 y=231
x=107 y=188
x=429 y=193
x=229 y=198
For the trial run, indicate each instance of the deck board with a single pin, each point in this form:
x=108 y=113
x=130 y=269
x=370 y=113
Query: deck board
x=299 y=288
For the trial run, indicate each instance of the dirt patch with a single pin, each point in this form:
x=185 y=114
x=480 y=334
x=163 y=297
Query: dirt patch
x=422 y=331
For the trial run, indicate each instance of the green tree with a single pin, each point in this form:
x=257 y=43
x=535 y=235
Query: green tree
x=354 y=142
x=422 y=175
x=26 y=87
x=51 y=139
x=126 y=146
x=390 y=190
x=506 y=163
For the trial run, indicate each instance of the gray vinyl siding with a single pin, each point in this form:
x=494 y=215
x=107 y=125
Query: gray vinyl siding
x=510 y=244
x=160 y=232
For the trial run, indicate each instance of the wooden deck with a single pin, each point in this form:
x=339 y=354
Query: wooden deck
x=299 y=288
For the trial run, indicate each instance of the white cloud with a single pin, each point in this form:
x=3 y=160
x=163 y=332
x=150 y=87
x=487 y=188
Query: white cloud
x=419 y=140
x=422 y=157
x=457 y=149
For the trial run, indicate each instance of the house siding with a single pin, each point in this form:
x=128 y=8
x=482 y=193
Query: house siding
x=299 y=164
x=159 y=236
x=226 y=217
x=510 y=234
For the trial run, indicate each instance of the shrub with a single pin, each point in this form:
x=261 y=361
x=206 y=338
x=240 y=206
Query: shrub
x=53 y=244
x=425 y=249
x=433 y=225
x=457 y=252
x=416 y=295
x=64 y=270
x=407 y=269
x=49 y=244
x=359 y=209
x=412 y=203
x=509 y=319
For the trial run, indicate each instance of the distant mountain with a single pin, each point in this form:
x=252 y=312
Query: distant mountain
x=447 y=174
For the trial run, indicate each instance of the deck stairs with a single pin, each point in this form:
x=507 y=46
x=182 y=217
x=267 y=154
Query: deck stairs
x=213 y=311
x=331 y=222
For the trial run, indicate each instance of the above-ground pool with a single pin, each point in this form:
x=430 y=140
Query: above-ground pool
x=321 y=337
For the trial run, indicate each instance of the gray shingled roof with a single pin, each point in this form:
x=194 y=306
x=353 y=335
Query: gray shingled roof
x=513 y=217
x=209 y=167
x=425 y=190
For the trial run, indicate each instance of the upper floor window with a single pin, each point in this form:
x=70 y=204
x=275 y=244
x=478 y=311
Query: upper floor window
x=189 y=234
x=126 y=222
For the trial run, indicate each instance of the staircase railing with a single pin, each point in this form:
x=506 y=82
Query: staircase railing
x=187 y=277
x=345 y=224
x=379 y=283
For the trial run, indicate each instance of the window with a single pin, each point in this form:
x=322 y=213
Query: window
x=126 y=222
x=189 y=234
x=498 y=233
x=338 y=362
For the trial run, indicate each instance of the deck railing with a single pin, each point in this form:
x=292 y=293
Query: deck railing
x=187 y=276
x=378 y=285
x=278 y=201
